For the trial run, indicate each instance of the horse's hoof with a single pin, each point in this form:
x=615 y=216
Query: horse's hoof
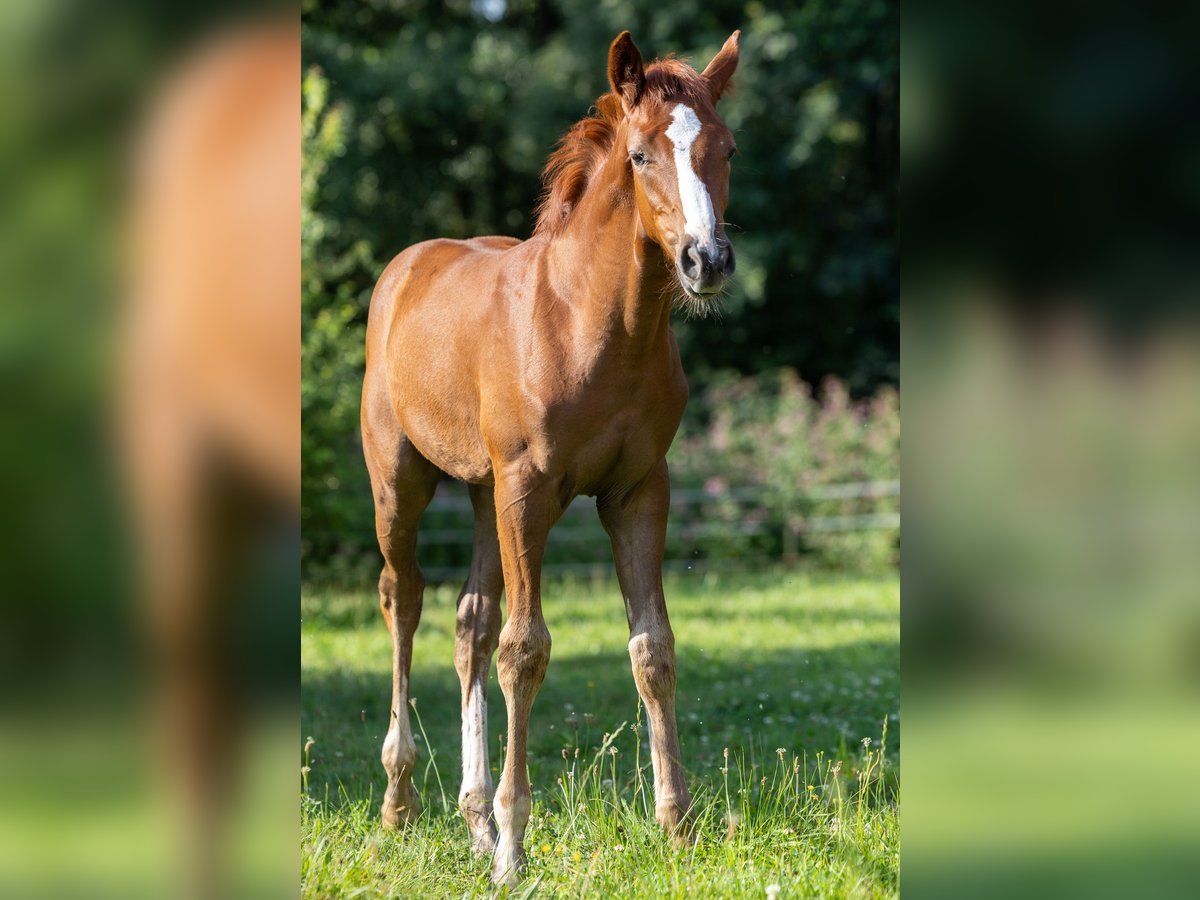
x=683 y=837
x=400 y=816
x=480 y=824
x=677 y=822
x=508 y=865
x=397 y=814
x=483 y=842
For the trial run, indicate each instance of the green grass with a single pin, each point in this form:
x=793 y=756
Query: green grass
x=784 y=672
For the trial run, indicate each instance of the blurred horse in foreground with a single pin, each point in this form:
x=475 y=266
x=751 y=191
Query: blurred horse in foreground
x=210 y=413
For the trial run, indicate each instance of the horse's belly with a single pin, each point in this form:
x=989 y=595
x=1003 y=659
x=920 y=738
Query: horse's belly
x=439 y=413
x=447 y=435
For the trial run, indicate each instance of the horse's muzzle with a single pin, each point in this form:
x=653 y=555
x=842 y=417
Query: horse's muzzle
x=700 y=270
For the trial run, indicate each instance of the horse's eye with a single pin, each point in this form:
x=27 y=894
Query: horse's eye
x=638 y=157
x=732 y=151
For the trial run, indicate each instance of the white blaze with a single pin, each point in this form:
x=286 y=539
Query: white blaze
x=699 y=221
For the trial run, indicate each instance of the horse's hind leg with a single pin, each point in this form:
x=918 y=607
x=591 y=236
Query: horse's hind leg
x=637 y=525
x=403 y=482
x=477 y=632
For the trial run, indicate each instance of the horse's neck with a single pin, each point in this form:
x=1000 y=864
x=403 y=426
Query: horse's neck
x=619 y=279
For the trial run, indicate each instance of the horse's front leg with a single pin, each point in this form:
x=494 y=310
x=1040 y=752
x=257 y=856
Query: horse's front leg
x=526 y=508
x=637 y=525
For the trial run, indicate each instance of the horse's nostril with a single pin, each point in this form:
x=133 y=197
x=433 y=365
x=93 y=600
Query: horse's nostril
x=728 y=263
x=690 y=261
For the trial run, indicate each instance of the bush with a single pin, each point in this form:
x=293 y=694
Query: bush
x=763 y=470
x=336 y=514
x=751 y=466
x=770 y=459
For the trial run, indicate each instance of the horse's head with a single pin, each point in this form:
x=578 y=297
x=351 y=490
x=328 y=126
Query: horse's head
x=678 y=151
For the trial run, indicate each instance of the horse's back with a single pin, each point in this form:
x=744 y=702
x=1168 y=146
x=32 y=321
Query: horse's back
x=425 y=263
x=494 y=242
x=414 y=273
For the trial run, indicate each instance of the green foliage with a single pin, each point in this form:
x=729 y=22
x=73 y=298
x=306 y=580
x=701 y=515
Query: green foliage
x=771 y=432
x=453 y=115
x=760 y=471
x=811 y=669
x=336 y=497
x=433 y=120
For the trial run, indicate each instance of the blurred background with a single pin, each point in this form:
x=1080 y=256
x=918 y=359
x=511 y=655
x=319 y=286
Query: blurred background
x=1048 y=158
x=148 y=568
x=1051 y=609
x=1049 y=161
x=434 y=120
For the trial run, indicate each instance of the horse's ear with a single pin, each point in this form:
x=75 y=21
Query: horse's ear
x=625 y=71
x=720 y=70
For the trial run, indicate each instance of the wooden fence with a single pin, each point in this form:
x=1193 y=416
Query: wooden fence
x=726 y=525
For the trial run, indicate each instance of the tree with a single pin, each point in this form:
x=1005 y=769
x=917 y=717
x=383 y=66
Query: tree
x=443 y=114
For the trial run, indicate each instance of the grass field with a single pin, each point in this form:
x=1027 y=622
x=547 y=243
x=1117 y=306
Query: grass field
x=781 y=678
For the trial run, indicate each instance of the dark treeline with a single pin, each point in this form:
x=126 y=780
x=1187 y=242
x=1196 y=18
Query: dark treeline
x=451 y=108
x=427 y=119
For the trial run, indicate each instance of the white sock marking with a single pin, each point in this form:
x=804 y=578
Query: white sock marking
x=699 y=221
x=474 y=740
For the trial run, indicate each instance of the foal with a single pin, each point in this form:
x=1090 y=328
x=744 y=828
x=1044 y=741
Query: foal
x=536 y=371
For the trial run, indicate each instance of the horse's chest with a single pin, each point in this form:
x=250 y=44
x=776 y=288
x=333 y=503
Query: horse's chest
x=615 y=444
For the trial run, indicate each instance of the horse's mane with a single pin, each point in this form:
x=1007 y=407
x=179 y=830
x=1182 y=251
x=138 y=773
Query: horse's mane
x=583 y=149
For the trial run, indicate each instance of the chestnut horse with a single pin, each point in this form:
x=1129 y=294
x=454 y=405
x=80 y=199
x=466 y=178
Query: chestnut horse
x=536 y=371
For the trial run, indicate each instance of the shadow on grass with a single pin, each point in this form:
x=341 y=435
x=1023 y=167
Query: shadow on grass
x=346 y=612
x=803 y=700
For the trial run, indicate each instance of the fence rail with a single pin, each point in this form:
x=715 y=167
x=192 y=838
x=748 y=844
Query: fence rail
x=701 y=519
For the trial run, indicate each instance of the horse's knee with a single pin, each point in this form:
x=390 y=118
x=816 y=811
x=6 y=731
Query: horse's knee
x=524 y=654
x=477 y=632
x=652 y=656
x=400 y=599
